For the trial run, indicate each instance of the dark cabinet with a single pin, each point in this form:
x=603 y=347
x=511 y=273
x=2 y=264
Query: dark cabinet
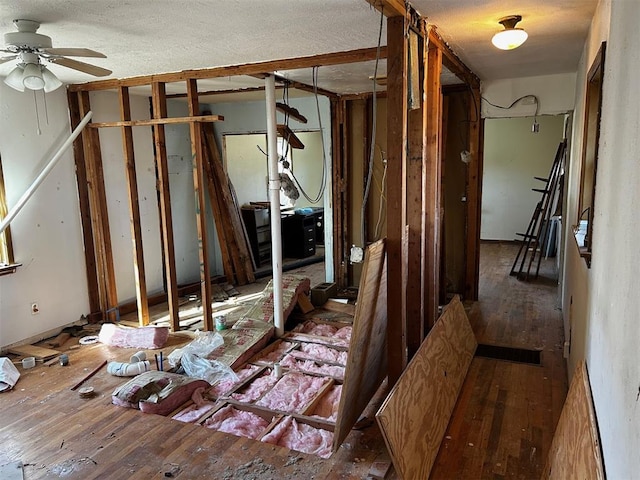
x=299 y=236
x=257 y=223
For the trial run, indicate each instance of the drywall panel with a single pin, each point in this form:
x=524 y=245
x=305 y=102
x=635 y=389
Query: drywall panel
x=47 y=235
x=556 y=94
x=513 y=156
x=247 y=167
x=105 y=106
x=414 y=417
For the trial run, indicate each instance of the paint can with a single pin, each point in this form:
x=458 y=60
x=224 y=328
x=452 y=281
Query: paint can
x=28 y=362
x=277 y=370
x=221 y=322
x=64 y=359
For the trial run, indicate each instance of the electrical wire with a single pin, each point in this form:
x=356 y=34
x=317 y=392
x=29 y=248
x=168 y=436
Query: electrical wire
x=376 y=231
x=514 y=102
x=323 y=181
x=373 y=136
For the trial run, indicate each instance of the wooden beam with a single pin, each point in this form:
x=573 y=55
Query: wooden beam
x=432 y=178
x=159 y=102
x=416 y=132
x=201 y=217
x=396 y=208
x=292 y=112
x=99 y=214
x=85 y=208
x=291 y=138
x=157 y=121
x=134 y=208
x=390 y=8
x=325 y=59
x=474 y=196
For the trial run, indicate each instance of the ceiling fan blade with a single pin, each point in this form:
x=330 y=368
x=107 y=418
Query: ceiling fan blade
x=8 y=59
x=81 y=66
x=74 y=52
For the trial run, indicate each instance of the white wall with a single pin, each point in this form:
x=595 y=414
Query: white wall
x=513 y=156
x=556 y=94
x=47 y=234
x=106 y=108
x=612 y=326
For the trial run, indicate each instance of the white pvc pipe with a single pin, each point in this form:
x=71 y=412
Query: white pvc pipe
x=274 y=199
x=43 y=174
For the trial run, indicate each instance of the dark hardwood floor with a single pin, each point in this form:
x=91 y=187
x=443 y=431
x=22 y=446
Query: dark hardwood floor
x=502 y=424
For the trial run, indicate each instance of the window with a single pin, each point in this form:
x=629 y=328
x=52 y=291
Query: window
x=6 y=249
x=593 y=107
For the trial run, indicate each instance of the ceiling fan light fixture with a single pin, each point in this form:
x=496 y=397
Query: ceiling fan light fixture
x=14 y=79
x=32 y=77
x=511 y=37
x=51 y=82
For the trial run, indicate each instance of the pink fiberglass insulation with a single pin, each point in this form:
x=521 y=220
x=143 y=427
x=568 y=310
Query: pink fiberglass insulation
x=301 y=437
x=199 y=407
x=222 y=388
x=276 y=354
x=319 y=329
x=256 y=388
x=142 y=337
x=313 y=351
x=237 y=422
x=329 y=404
x=332 y=341
x=344 y=332
x=310 y=366
x=292 y=392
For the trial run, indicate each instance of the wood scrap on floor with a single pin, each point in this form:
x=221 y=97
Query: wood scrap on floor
x=40 y=353
x=431 y=383
x=575 y=449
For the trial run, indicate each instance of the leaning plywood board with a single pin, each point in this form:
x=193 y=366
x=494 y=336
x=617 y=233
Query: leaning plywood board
x=575 y=449
x=414 y=417
x=367 y=361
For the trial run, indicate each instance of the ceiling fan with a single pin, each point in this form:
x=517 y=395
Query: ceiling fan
x=32 y=49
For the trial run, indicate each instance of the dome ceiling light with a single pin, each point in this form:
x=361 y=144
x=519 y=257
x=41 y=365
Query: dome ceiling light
x=510 y=37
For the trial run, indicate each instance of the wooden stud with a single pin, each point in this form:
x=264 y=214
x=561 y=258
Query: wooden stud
x=338 y=58
x=134 y=208
x=416 y=131
x=396 y=211
x=432 y=187
x=99 y=213
x=159 y=102
x=201 y=217
x=339 y=193
x=474 y=196
x=85 y=209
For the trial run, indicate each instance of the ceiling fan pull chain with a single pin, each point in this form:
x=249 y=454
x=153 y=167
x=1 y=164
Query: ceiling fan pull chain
x=46 y=110
x=35 y=102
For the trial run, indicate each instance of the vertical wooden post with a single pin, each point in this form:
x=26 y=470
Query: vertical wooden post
x=432 y=187
x=159 y=101
x=199 y=186
x=414 y=174
x=85 y=207
x=134 y=208
x=340 y=193
x=396 y=212
x=99 y=213
x=474 y=195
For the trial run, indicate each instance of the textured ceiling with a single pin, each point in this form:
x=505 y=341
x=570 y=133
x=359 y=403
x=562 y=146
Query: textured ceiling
x=144 y=37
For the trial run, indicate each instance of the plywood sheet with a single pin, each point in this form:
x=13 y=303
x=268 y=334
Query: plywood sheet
x=40 y=353
x=414 y=417
x=575 y=449
x=367 y=361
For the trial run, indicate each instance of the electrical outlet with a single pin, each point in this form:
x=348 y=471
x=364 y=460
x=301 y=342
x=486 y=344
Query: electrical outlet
x=35 y=309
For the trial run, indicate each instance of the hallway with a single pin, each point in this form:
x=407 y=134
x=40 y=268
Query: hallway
x=506 y=413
